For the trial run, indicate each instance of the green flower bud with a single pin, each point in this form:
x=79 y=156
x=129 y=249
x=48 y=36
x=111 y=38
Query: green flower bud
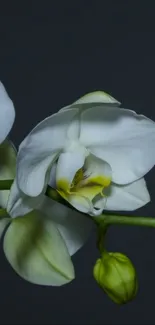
x=116 y=275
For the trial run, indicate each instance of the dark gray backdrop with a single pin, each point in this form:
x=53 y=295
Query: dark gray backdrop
x=50 y=54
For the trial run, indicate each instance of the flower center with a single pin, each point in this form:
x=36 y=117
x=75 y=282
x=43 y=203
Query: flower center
x=79 y=176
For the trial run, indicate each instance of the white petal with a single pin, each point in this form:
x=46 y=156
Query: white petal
x=91 y=99
x=40 y=148
x=122 y=138
x=126 y=198
x=67 y=166
x=96 y=172
x=73 y=226
x=37 y=252
x=80 y=203
x=52 y=177
x=7 y=167
x=7 y=113
x=19 y=204
x=99 y=204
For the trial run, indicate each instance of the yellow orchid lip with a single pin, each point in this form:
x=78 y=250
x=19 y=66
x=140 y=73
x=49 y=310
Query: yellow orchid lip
x=63 y=187
x=87 y=187
x=98 y=180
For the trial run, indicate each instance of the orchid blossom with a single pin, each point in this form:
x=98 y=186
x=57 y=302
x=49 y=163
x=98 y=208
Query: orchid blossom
x=94 y=154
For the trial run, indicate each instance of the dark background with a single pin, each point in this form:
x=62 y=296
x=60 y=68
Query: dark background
x=51 y=54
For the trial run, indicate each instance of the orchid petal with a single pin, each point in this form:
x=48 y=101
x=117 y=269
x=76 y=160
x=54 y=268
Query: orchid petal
x=36 y=251
x=124 y=197
x=74 y=227
x=39 y=150
x=97 y=97
x=122 y=138
x=7 y=113
x=68 y=164
x=19 y=204
x=128 y=197
x=91 y=100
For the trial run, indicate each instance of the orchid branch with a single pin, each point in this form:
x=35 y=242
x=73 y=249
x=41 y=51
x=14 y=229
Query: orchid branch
x=102 y=220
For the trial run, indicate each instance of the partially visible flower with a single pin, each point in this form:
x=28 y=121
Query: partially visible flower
x=116 y=275
x=93 y=152
x=73 y=228
x=39 y=245
x=34 y=245
x=36 y=250
x=7 y=150
x=7 y=113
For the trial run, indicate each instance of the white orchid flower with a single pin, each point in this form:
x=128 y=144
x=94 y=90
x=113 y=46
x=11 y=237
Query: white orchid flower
x=93 y=152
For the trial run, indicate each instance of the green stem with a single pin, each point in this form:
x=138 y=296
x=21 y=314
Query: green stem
x=110 y=219
x=5 y=184
x=103 y=220
x=101 y=232
x=3 y=213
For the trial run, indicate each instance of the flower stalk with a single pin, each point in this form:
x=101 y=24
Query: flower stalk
x=111 y=219
x=101 y=235
x=5 y=184
x=104 y=220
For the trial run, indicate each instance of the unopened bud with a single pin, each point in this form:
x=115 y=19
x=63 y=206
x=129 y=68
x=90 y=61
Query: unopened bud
x=116 y=275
